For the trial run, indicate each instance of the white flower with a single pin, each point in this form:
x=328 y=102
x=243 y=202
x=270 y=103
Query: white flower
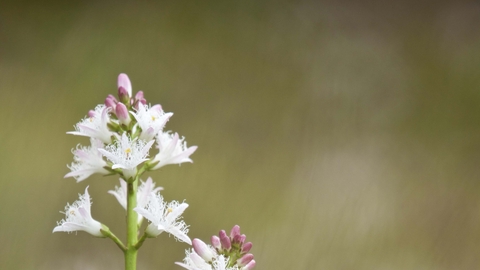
x=193 y=261
x=172 y=150
x=151 y=120
x=79 y=218
x=87 y=161
x=95 y=126
x=165 y=217
x=143 y=194
x=127 y=154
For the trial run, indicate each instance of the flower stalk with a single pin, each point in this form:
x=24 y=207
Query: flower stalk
x=132 y=228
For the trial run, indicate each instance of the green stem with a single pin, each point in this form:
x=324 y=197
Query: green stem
x=106 y=232
x=132 y=229
x=140 y=242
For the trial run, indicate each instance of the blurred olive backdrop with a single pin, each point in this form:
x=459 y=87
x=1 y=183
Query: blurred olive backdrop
x=337 y=134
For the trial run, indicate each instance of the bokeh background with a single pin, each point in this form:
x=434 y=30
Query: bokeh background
x=337 y=134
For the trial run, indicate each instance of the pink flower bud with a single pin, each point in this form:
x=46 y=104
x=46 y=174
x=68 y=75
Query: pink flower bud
x=250 y=265
x=123 y=95
x=122 y=113
x=124 y=82
x=246 y=247
x=112 y=97
x=225 y=240
x=239 y=238
x=216 y=242
x=245 y=259
x=242 y=238
x=235 y=231
x=202 y=250
x=110 y=103
x=91 y=113
x=139 y=95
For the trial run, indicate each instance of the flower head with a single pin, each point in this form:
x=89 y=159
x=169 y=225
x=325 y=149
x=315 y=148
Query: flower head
x=124 y=82
x=165 y=217
x=87 y=161
x=151 y=120
x=95 y=125
x=79 y=218
x=144 y=191
x=127 y=154
x=172 y=150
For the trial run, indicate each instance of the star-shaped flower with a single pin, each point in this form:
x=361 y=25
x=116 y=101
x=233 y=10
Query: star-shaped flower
x=150 y=120
x=87 y=161
x=165 y=217
x=127 y=154
x=79 y=218
x=172 y=150
x=95 y=125
x=143 y=194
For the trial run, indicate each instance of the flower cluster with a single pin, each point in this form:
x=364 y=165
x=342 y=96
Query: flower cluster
x=225 y=253
x=127 y=139
x=123 y=132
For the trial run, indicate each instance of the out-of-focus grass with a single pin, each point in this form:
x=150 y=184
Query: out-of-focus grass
x=337 y=135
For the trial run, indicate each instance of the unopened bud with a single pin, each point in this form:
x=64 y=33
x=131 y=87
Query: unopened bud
x=242 y=238
x=202 y=250
x=246 y=247
x=245 y=259
x=91 y=113
x=225 y=240
x=216 y=242
x=139 y=95
x=249 y=265
x=122 y=114
x=124 y=82
x=235 y=231
x=110 y=103
x=112 y=97
x=123 y=95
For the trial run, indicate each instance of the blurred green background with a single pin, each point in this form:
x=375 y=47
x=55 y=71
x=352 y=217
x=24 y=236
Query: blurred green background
x=337 y=134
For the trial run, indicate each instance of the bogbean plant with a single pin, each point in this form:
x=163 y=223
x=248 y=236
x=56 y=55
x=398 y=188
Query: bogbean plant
x=123 y=132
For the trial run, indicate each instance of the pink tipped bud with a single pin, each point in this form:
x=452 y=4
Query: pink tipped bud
x=124 y=82
x=139 y=95
x=242 y=238
x=139 y=98
x=110 y=103
x=225 y=240
x=249 y=265
x=235 y=231
x=91 y=113
x=202 y=250
x=123 y=95
x=122 y=113
x=112 y=97
x=246 y=247
x=245 y=259
x=216 y=242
